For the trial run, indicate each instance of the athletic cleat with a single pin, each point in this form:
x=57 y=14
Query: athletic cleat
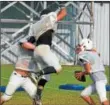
x=37 y=102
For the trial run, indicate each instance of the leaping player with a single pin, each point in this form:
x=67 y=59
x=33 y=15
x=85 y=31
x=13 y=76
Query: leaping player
x=41 y=33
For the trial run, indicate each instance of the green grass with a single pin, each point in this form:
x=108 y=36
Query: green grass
x=52 y=95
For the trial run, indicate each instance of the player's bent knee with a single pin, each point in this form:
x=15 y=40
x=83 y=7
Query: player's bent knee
x=58 y=70
x=33 y=94
x=103 y=99
x=6 y=98
x=83 y=94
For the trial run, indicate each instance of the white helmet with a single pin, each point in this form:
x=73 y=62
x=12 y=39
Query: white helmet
x=86 y=44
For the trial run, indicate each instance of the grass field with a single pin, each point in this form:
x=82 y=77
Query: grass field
x=52 y=95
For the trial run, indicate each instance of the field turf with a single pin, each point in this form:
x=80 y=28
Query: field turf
x=52 y=95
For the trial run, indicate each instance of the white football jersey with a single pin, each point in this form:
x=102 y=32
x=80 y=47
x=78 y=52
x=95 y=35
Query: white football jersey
x=92 y=58
x=45 y=23
x=25 y=59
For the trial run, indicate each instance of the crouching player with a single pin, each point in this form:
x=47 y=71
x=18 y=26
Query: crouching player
x=93 y=67
x=21 y=77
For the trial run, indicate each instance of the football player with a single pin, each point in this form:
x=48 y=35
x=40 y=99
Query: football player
x=21 y=76
x=94 y=67
x=41 y=33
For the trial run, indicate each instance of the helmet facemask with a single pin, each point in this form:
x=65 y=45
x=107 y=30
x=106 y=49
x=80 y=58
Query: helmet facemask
x=85 y=44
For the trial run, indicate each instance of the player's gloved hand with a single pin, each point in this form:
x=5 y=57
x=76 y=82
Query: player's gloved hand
x=79 y=75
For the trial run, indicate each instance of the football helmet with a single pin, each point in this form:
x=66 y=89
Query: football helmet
x=85 y=44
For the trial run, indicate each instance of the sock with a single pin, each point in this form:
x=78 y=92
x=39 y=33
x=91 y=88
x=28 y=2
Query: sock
x=40 y=88
x=39 y=93
x=47 y=70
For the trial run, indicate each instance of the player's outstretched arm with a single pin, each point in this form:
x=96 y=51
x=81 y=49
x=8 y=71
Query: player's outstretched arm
x=29 y=43
x=28 y=46
x=87 y=68
x=61 y=14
